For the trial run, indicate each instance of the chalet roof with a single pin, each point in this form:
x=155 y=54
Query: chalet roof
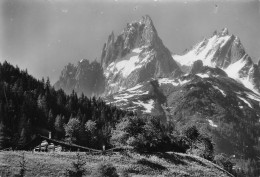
x=39 y=138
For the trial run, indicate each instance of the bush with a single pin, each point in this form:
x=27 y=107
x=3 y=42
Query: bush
x=105 y=170
x=77 y=168
x=192 y=134
x=208 y=152
x=145 y=134
x=199 y=144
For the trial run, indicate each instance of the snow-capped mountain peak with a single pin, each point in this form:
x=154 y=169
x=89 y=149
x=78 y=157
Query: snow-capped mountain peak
x=136 y=55
x=224 y=51
x=206 y=50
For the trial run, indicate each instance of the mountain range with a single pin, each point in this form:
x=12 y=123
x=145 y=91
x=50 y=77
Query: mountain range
x=215 y=85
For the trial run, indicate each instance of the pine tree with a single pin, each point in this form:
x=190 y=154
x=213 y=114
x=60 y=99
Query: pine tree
x=3 y=139
x=23 y=138
x=42 y=104
x=50 y=119
x=48 y=83
x=58 y=126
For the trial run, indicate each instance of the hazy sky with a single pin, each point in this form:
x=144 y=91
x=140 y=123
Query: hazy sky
x=44 y=35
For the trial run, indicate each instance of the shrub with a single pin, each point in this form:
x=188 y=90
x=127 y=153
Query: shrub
x=145 y=134
x=208 y=152
x=199 y=144
x=78 y=169
x=105 y=170
x=192 y=134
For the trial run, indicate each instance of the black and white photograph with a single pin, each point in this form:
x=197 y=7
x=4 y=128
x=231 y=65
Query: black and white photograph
x=130 y=88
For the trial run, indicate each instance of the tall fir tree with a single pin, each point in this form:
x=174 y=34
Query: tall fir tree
x=3 y=136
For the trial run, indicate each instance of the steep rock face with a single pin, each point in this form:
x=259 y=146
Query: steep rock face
x=245 y=72
x=67 y=78
x=254 y=76
x=84 y=78
x=226 y=52
x=136 y=55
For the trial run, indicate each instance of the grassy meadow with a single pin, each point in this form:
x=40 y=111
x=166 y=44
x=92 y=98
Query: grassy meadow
x=42 y=164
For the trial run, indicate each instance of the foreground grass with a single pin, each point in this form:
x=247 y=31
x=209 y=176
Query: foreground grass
x=131 y=164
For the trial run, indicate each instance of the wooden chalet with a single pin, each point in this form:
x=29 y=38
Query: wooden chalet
x=47 y=144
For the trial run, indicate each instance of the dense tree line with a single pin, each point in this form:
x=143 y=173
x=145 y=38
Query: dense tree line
x=29 y=106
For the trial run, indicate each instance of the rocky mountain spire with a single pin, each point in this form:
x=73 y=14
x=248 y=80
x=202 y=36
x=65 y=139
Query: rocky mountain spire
x=85 y=78
x=136 y=55
x=136 y=34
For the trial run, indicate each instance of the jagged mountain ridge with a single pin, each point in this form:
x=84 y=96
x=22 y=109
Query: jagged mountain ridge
x=134 y=56
x=226 y=52
x=84 y=78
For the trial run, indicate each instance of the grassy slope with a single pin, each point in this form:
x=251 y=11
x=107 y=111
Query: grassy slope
x=55 y=164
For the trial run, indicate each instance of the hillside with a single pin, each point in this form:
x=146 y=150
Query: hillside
x=169 y=164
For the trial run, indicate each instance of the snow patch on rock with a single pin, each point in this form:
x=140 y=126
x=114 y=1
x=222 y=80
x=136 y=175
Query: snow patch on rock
x=134 y=88
x=130 y=63
x=217 y=88
x=212 y=124
x=137 y=50
x=253 y=96
x=167 y=81
x=203 y=75
x=182 y=82
x=245 y=101
x=174 y=82
x=233 y=72
x=233 y=69
x=148 y=106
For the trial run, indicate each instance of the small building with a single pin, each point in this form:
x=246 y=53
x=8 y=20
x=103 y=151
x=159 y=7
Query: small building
x=46 y=144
